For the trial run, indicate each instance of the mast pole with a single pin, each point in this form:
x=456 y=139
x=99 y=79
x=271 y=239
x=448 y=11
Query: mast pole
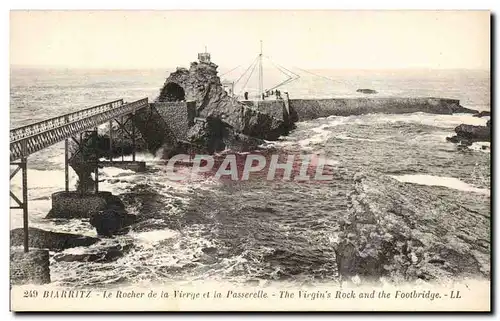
x=261 y=76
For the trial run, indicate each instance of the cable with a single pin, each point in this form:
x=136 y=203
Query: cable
x=306 y=71
x=254 y=62
x=230 y=70
x=316 y=74
x=243 y=88
x=283 y=83
x=281 y=67
x=291 y=78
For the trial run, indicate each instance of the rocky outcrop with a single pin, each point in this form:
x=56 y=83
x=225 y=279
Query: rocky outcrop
x=29 y=267
x=202 y=85
x=53 y=241
x=468 y=134
x=482 y=113
x=106 y=211
x=112 y=221
x=214 y=135
x=367 y=91
x=404 y=233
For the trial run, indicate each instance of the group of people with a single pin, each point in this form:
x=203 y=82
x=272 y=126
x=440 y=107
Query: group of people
x=272 y=92
x=267 y=94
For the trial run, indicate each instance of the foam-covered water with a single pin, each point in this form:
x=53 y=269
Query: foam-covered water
x=254 y=230
x=449 y=182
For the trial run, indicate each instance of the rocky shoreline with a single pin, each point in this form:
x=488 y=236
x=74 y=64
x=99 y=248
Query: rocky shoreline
x=392 y=231
x=397 y=232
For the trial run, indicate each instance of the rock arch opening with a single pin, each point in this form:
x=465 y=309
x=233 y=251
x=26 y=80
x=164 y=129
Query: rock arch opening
x=172 y=92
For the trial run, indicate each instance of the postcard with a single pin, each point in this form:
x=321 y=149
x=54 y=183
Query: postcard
x=250 y=160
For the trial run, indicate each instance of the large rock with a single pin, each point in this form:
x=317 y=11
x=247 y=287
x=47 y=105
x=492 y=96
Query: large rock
x=112 y=221
x=53 y=241
x=468 y=134
x=214 y=135
x=32 y=267
x=403 y=232
x=482 y=113
x=201 y=84
x=208 y=133
x=366 y=91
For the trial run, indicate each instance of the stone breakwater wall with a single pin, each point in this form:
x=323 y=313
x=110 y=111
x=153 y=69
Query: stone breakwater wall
x=155 y=127
x=275 y=108
x=178 y=116
x=307 y=109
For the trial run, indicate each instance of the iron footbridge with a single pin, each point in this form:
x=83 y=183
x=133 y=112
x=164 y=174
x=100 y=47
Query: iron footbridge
x=35 y=137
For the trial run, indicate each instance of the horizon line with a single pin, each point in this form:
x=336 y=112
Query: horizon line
x=15 y=66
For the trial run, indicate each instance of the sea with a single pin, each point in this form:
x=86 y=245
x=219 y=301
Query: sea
x=257 y=230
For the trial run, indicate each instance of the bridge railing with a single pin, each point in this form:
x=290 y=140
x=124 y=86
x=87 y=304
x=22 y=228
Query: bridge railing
x=35 y=137
x=44 y=125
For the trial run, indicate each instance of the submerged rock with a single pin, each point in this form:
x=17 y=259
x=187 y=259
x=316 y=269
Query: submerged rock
x=367 y=91
x=403 y=233
x=468 y=134
x=112 y=221
x=209 y=250
x=100 y=255
x=481 y=133
x=53 y=241
x=483 y=113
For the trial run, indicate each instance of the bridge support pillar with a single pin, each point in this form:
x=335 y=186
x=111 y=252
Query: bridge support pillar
x=84 y=160
x=133 y=140
x=22 y=166
x=96 y=157
x=110 y=141
x=125 y=131
x=66 y=165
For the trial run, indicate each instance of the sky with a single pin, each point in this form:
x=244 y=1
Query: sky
x=307 y=39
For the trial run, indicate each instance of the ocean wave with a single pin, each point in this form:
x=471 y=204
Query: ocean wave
x=449 y=182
